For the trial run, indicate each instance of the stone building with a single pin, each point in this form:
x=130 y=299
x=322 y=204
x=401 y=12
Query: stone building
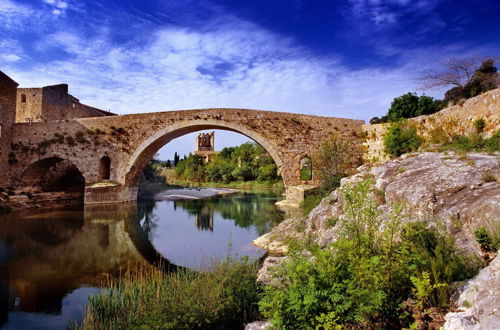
x=205 y=146
x=51 y=103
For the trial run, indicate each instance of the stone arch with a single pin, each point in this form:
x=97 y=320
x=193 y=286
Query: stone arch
x=53 y=174
x=146 y=150
x=105 y=168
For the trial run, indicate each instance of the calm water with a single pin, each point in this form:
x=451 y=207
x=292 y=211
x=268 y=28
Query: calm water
x=51 y=260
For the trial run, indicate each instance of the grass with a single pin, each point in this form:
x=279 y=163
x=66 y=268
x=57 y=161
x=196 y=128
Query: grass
x=311 y=201
x=472 y=143
x=224 y=298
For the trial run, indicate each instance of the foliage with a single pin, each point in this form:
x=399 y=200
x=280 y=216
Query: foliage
x=306 y=169
x=401 y=138
x=246 y=162
x=332 y=161
x=423 y=290
x=381 y=120
x=473 y=143
x=362 y=279
x=225 y=298
x=483 y=79
x=311 y=201
x=479 y=125
x=485 y=241
x=410 y=105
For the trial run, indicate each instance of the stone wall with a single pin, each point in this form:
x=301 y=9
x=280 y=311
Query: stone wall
x=51 y=103
x=457 y=119
x=7 y=118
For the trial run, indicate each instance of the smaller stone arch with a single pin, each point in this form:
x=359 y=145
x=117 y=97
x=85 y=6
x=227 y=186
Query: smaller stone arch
x=52 y=174
x=306 y=168
x=105 y=168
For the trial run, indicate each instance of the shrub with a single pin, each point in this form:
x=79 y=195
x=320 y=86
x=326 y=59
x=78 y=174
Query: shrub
x=225 y=298
x=362 y=279
x=332 y=161
x=401 y=138
x=479 y=125
x=483 y=239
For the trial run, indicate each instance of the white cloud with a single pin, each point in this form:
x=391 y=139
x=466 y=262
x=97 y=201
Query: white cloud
x=58 y=6
x=224 y=67
x=10 y=57
x=14 y=15
x=387 y=12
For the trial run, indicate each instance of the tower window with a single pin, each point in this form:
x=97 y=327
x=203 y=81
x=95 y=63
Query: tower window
x=23 y=98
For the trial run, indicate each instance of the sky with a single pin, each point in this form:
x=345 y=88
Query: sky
x=340 y=58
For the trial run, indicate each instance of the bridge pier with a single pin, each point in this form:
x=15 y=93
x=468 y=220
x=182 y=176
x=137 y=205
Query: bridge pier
x=295 y=195
x=103 y=193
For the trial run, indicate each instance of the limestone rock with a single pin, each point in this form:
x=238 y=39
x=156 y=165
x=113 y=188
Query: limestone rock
x=479 y=301
x=458 y=192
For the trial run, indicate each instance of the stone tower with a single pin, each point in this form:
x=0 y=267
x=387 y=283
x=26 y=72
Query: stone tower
x=205 y=146
x=8 y=92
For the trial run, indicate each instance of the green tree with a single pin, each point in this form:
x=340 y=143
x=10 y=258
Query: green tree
x=176 y=158
x=410 y=105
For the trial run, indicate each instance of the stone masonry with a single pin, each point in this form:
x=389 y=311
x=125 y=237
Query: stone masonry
x=130 y=141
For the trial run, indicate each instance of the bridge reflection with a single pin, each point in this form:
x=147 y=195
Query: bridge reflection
x=46 y=255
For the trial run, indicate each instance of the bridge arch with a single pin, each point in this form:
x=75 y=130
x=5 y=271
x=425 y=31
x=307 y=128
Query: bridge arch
x=147 y=149
x=53 y=174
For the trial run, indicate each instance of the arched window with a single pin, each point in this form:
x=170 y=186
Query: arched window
x=305 y=168
x=105 y=168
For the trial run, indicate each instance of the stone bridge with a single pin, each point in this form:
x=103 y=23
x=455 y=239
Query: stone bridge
x=110 y=151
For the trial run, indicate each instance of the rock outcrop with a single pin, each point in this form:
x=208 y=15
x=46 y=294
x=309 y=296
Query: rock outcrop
x=457 y=192
x=479 y=301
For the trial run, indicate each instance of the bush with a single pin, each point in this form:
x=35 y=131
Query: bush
x=479 y=125
x=362 y=279
x=401 y=138
x=484 y=240
x=333 y=161
x=225 y=298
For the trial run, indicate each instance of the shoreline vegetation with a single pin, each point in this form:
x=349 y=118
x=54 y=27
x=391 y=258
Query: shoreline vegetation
x=390 y=278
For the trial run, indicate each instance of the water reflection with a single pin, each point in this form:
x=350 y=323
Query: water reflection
x=51 y=260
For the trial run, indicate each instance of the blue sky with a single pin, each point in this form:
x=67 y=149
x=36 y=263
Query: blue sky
x=335 y=58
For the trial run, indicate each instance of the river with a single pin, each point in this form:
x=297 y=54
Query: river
x=52 y=259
